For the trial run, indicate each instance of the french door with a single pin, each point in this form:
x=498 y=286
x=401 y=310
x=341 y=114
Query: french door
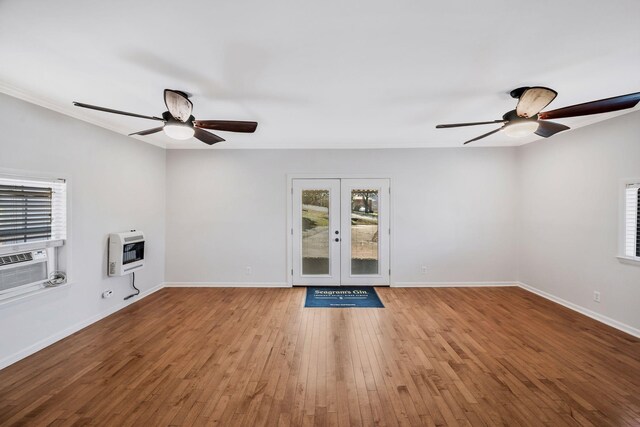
x=340 y=232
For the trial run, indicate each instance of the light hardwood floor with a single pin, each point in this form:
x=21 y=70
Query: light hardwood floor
x=465 y=356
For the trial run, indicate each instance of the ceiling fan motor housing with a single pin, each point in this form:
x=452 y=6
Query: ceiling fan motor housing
x=170 y=119
x=512 y=116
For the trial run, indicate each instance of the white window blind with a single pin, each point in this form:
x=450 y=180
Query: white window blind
x=632 y=221
x=32 y=210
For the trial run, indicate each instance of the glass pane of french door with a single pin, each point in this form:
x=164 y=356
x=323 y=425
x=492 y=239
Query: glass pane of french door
x=316 y=231
x=365 y=231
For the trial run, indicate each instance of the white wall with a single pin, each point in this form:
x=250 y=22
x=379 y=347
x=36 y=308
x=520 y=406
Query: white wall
x=569 y=211
x=116 y=183
x=453 y=211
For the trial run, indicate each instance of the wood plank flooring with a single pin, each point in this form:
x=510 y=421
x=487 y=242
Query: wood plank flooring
x=449 y=356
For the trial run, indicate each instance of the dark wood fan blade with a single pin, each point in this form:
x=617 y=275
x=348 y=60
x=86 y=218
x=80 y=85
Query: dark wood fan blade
x=207 y=137
x=147 y=132
x=607 y=105
x=484 y=136
x=109 y=110
x=547 y=129
x=227 y=125
x=178 y=104
x=457 y=125
x=533 y=100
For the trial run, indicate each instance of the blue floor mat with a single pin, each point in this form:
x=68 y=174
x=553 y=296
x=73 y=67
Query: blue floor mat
x=342 y=297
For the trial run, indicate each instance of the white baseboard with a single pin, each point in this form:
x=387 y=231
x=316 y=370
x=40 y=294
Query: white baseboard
x=575 y=307
x=450 y=284
x=9 y=360
x=226 y=285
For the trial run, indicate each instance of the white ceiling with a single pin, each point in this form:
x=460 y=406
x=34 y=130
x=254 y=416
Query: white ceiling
x=321 y=74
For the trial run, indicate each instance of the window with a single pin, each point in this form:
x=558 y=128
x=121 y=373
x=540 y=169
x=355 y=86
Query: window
x=33 y=230
x=32 y=211
x=632 y=221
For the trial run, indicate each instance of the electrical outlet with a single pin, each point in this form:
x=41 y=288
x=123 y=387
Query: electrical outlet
x=596 y=296
x=248 y=271
x=424 y=269
x=107 y=294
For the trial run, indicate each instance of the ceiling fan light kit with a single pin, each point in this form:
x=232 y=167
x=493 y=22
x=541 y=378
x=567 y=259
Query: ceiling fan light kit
x=528 y=118
x=179 y=124
x=178 y=131
x=521 y=128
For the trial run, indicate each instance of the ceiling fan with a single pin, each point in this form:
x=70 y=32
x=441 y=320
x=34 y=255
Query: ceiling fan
x=529 y=118
x=178 y=121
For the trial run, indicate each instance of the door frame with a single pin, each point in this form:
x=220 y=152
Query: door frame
x=289 y=212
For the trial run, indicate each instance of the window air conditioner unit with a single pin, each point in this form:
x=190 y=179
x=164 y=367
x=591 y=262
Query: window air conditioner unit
x=126 y=252
x=23 y=271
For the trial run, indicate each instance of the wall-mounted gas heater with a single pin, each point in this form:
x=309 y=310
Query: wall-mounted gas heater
x=126 y=252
